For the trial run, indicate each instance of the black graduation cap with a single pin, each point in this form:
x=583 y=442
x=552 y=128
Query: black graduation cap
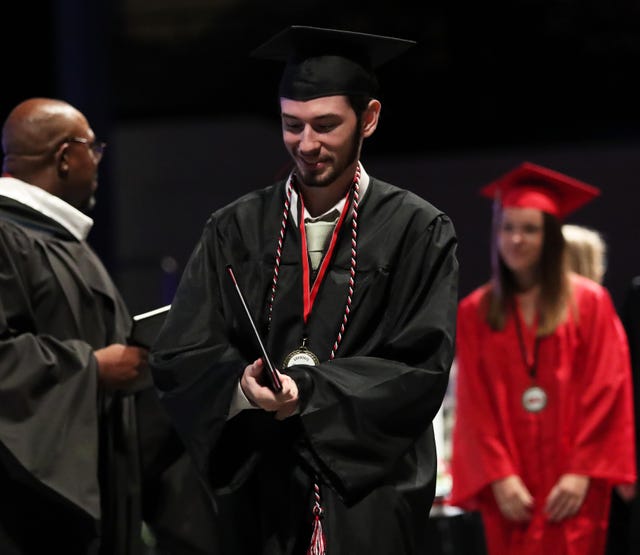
x=325 y=62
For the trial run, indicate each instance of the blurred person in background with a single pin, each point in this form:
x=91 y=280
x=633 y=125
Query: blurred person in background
x=624 y=530
x=587 y=256
x=586 y=251
x=544 y=422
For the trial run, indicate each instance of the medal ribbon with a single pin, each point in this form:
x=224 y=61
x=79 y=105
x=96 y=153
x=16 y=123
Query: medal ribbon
x=532 y=365
x=318 y=539
x=309 y=296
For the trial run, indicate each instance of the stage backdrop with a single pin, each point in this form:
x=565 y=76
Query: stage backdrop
x=166 y=177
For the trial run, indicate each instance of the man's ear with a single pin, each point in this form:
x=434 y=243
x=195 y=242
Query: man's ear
x=62 y=159
x=370 y=117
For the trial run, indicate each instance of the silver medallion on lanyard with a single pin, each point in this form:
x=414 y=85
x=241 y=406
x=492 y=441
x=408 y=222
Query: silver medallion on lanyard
x=303 y=355
x=534 y=398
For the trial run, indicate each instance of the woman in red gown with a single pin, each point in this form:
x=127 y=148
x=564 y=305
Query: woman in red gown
x=544 y=412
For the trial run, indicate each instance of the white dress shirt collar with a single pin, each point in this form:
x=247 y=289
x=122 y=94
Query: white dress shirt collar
x=74 y=221
x=363 y=185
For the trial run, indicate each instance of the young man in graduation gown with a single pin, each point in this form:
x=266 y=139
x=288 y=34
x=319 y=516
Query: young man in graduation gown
x=352 y=283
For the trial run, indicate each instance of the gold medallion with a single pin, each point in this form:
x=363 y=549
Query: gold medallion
x=302 y=356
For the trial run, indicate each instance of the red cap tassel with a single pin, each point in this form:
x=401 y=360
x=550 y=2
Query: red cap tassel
x=318 y=541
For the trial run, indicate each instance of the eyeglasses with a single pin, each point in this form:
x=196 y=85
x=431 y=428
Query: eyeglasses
x=97 y=147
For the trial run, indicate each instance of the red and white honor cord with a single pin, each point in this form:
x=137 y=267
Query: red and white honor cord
x=318 y=540
x=352 y=268
x=318 y=545
x=283 y=231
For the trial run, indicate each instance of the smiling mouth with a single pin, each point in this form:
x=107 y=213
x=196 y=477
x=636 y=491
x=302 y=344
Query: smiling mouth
x=310 y=162
x=314 y=165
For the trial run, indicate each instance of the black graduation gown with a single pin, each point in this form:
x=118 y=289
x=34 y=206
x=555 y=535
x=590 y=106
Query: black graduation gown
x=62 y=438
x=623 y=534
x=364 y=429
x=175 y=505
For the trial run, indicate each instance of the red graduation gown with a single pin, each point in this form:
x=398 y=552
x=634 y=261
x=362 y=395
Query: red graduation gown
x=586 y=427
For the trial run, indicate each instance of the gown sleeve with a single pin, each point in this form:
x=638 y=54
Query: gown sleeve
x=48 y=409
x=367 y=411
x=194 y=364
x=604 y=445
x=479 y=453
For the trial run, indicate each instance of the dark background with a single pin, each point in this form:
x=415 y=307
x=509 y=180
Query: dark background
x=192 y=122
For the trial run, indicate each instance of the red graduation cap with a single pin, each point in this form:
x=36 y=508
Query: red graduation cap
x=533 y=186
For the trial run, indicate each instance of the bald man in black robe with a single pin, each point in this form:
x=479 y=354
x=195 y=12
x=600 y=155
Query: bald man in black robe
x=86 y=451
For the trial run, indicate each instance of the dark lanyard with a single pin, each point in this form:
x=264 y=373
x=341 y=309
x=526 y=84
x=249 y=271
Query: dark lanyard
x=530 y=365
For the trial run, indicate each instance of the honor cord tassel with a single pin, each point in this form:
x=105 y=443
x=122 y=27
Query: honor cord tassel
x=318 y=541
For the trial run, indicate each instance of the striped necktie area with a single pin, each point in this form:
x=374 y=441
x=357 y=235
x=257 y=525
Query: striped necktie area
x=318 y=232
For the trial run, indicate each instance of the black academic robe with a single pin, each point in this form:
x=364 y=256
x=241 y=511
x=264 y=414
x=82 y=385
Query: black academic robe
x=68 y=466
x=624 y=523
x=175 y=504
x=363 y=432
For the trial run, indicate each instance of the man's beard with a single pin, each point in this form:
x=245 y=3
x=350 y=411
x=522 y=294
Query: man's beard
x=313 y=180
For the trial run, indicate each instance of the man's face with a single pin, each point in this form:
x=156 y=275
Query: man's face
x=83 y=157
x=322 y=137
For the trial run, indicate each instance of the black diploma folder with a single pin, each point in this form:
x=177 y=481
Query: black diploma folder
x=243 y=315
x=144 y=330
x=146 y=326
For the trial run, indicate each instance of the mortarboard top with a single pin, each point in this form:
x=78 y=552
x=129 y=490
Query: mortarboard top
x=326 y=62
x=533 y=186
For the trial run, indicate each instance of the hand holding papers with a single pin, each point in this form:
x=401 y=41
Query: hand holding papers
x=269 y=370
x=144 y=330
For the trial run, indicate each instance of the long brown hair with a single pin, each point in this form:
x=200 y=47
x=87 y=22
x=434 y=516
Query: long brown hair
x=553 y=279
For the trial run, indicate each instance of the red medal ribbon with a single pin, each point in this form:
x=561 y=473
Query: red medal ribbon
x=309 y=296
x=530 y=363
